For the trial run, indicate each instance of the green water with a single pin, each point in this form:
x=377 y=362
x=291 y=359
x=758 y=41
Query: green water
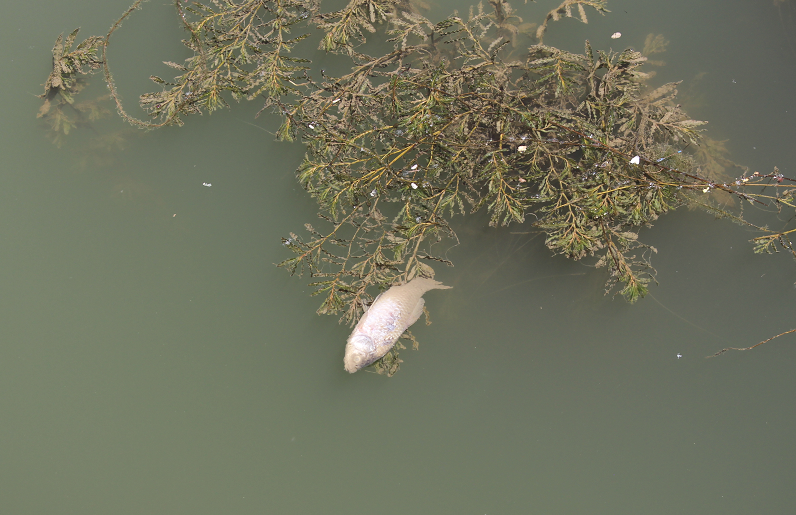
x=154 y=361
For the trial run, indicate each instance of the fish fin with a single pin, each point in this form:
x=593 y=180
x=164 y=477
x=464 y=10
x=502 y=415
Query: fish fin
x=416 y=312
x=366 y=308
x=425 y=284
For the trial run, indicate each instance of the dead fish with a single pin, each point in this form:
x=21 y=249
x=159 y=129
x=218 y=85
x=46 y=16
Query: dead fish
x=390 y=314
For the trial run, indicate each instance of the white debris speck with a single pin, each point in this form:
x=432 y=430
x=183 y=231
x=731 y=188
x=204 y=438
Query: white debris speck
x=522 y=148
x=335 y=100
x=311 y=126
x=206 y=184
x=636 y=160
x=414 y=186
x=414 y=167
x=679 y=355
x=616 y=35
x=373 y=193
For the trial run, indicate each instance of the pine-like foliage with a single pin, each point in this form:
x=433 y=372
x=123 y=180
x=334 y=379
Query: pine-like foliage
x=242 y=49
x=59 y=110
x=446 y=124
x=454 y=118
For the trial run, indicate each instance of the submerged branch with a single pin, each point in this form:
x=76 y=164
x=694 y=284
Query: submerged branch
x=722 y=351
x=454 y=118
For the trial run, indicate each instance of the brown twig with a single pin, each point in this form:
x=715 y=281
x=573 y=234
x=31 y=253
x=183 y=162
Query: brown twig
x=722 y=351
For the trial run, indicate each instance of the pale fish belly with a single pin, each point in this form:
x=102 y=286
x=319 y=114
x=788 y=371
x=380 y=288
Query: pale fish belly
x=384 y=322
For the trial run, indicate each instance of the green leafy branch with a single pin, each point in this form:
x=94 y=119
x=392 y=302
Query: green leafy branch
x=452 y=120
x=60 y=110
x=69 y=65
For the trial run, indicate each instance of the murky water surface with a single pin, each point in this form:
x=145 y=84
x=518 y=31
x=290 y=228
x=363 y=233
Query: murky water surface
x=153 y=360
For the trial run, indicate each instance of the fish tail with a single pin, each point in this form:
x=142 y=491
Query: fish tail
x=425 y=284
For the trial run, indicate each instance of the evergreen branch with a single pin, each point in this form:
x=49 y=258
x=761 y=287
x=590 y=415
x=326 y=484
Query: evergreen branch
x=565 y=9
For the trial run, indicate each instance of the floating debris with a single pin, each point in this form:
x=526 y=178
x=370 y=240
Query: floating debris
x=385 y=321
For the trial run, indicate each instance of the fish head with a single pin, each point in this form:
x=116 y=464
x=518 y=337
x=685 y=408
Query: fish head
x=358 y=352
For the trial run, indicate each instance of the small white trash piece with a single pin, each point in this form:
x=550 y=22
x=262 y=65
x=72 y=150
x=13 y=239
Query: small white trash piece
x=636 y=160
x=616 y=35
x=206 y=184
